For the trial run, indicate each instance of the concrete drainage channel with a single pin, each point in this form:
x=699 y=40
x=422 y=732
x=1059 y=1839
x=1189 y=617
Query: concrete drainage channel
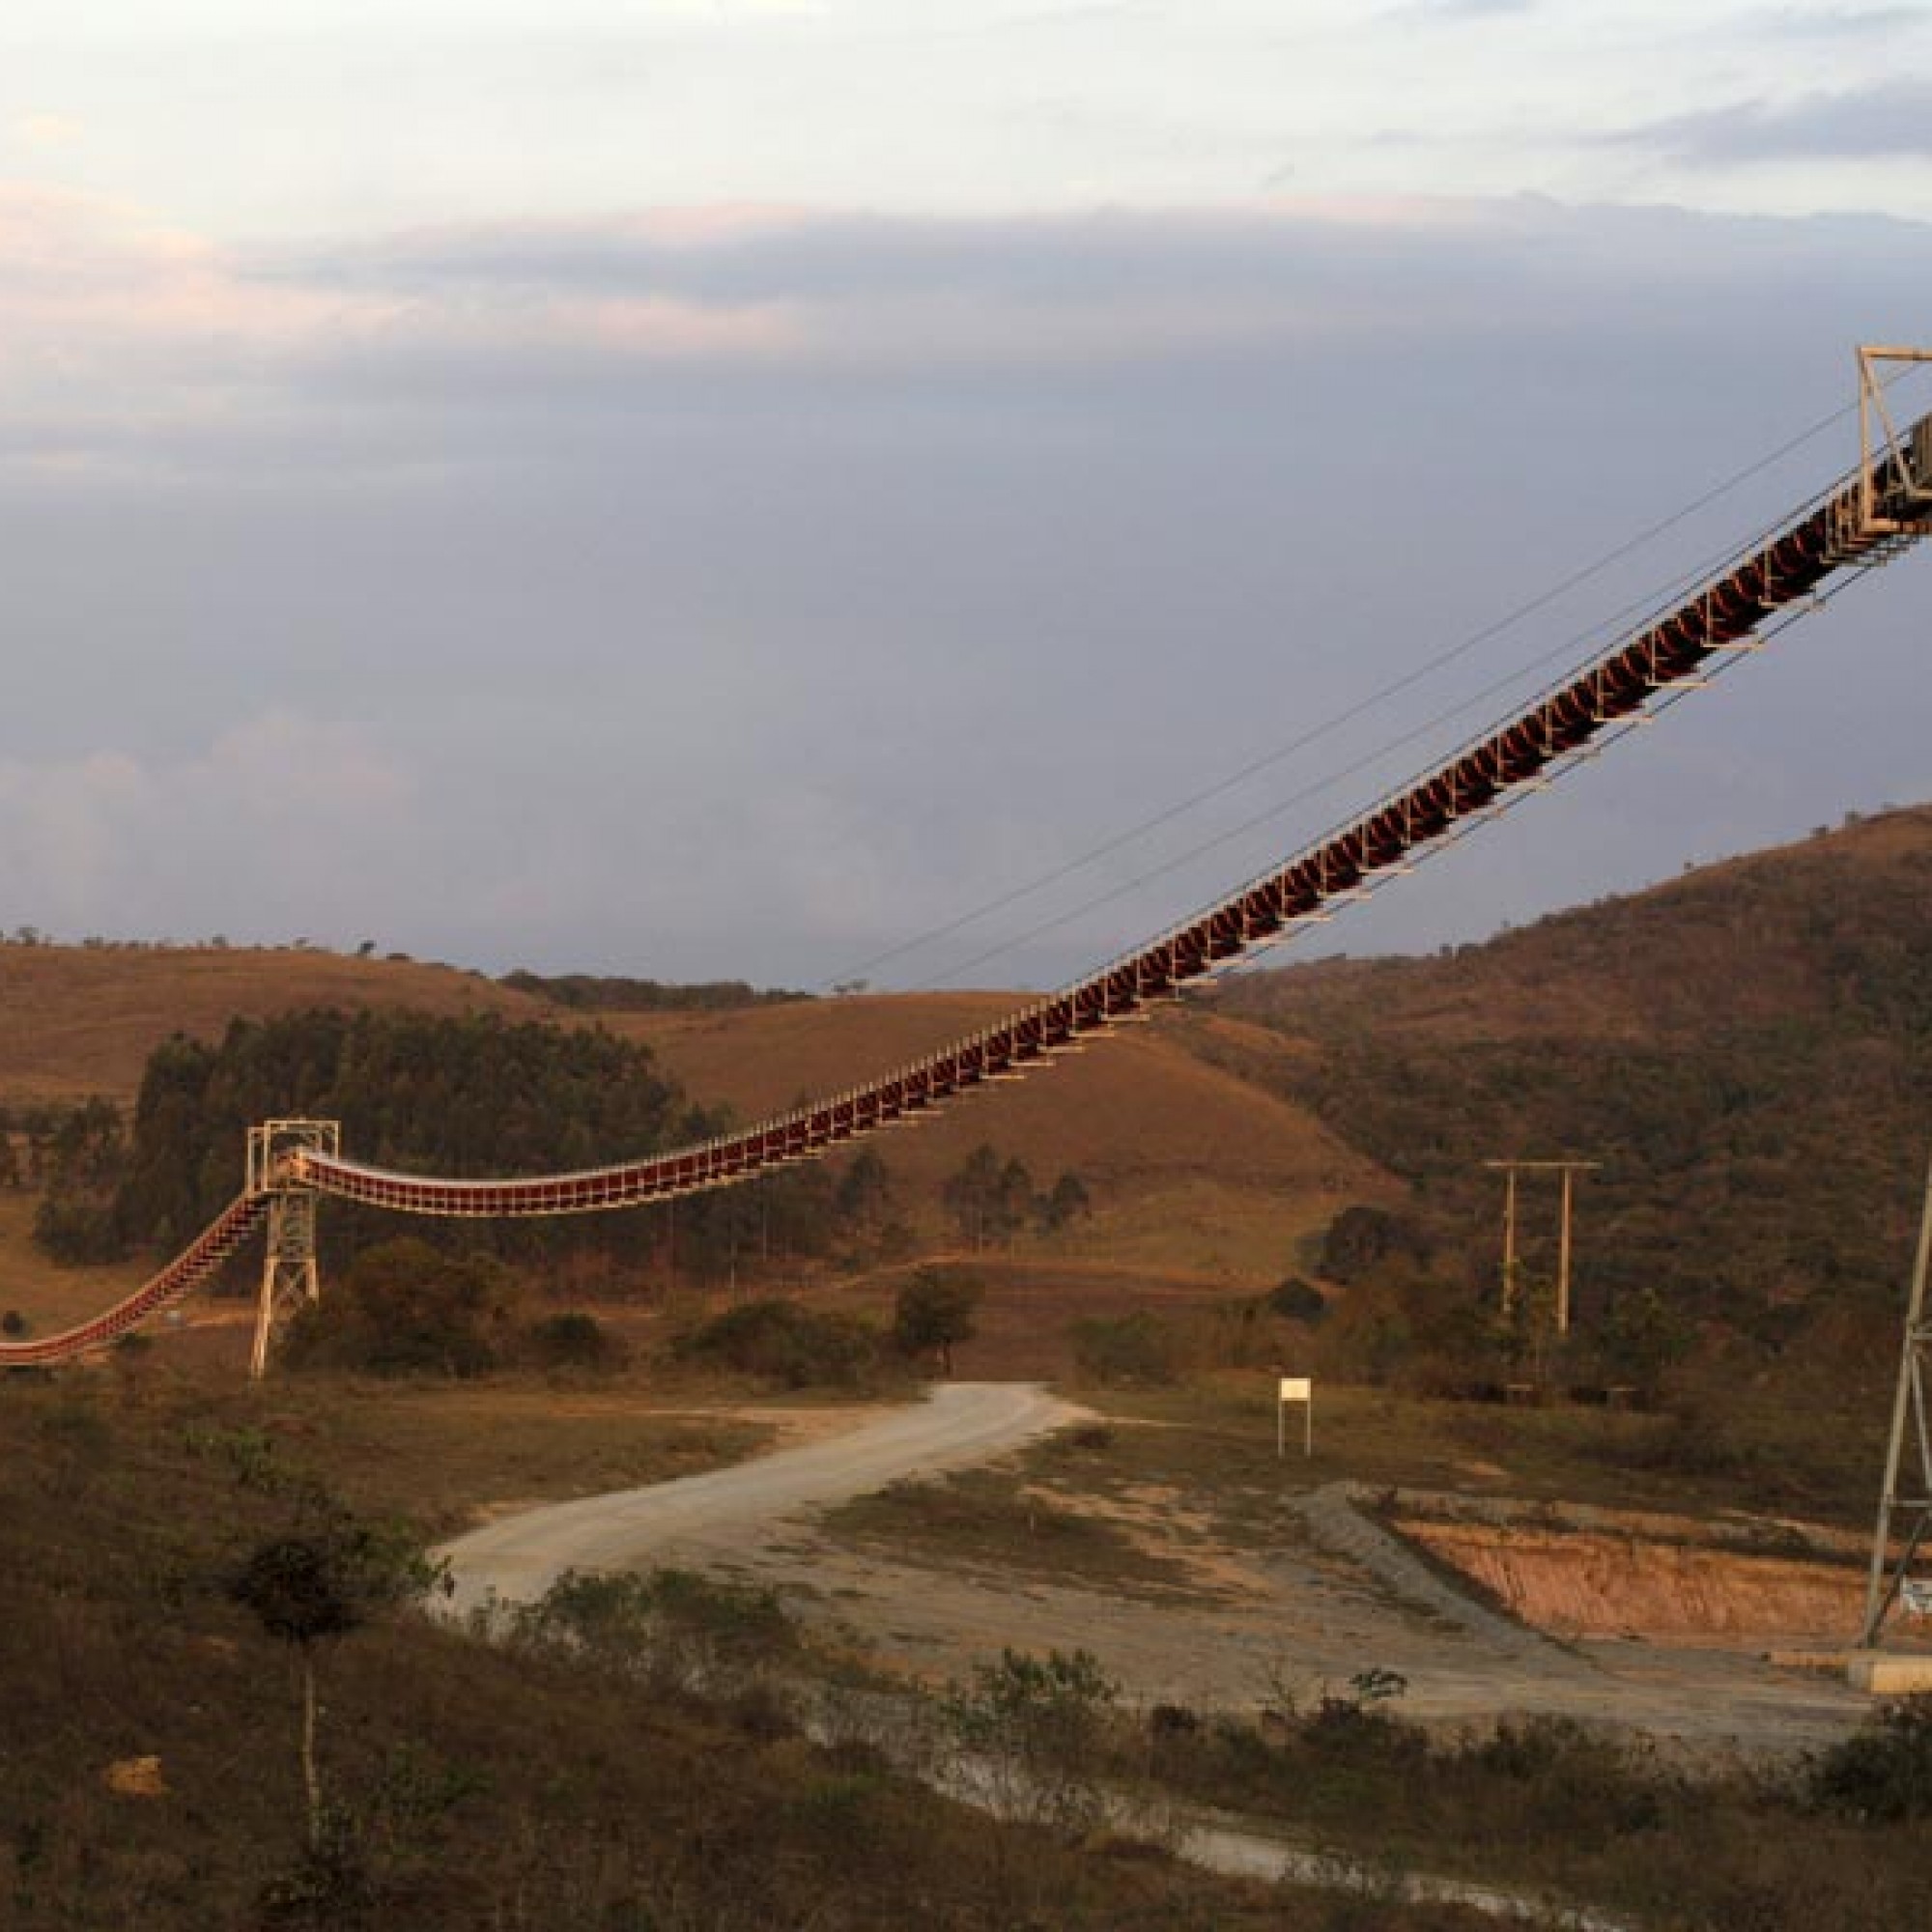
x=1335 y=1519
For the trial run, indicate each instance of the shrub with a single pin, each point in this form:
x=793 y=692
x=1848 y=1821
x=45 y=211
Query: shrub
x=1138 y=1348
x=670 y=1628
x=781 y=1341
x=1297 y=1301
x=934 y=1311
x=1036 y=1726
x=406 y=1309
x=574 y=1340
x=1883 y=1771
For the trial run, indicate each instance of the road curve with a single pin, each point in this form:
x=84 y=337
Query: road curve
x=519 y=1557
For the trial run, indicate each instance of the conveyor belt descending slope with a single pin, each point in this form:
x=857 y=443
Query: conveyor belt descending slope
x=1853 y=526
x=189 y=1269
x=1721 y=615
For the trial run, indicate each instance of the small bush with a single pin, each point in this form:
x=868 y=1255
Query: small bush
x=405 y=1308
x=1885 y=1770
x=784 y=1343
x=673 y=1629
x=1036 y=1726
x=1297 y=1301
x=573 y=1339
x=1129 y=1349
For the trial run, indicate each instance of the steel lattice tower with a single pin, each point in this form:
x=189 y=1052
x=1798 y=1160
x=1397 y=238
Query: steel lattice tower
x=291 y=1276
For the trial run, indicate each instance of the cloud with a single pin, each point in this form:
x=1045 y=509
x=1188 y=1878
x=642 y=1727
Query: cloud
x=259 y=831
x=738 y=591
x=1835 y=23
x=46 y=130
x=1890 y=120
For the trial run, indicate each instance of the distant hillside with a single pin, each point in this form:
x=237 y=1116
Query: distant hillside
x=1837 y=923
x=1748 y=1050
x=79 y=1020
x=1191 y=1168
x=1191 y=1165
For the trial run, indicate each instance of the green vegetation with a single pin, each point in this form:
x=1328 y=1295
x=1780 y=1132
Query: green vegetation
x=934 y=1313
x=146 y=1775
x=1034 y=1725
x=405 y=1308
x=992 y=1200
x=1583 y=1813
x=470 y=1095
x=785 y=1344
x=1885 y=1771
x=669 y=1629
x=607 y=993
x=1745 y=1052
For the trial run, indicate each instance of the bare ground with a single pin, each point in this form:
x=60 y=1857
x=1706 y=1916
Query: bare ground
x=1284 y=1614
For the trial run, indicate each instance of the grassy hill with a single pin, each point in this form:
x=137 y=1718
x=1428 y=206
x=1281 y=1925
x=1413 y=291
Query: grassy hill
x=1746 y=1049
x=1193 y=1167
x=81 y=1020
x=1193 y=1171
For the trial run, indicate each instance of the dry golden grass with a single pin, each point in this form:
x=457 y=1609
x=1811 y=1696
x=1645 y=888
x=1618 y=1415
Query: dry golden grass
x=1193 y=1165
x=1189 y=1165
x=76 y=1020
x=1739 y=938
x=52 y=1298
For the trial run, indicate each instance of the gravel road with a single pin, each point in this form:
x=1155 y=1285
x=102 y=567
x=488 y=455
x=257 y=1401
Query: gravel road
x=1307 y=1611
x=519 y=1557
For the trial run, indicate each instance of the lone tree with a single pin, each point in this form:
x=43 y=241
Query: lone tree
x=935 y=1309
x=321 y=1581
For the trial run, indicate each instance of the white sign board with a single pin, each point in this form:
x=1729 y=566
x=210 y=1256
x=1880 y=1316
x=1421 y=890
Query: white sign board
x=1915 y=1596
x=1301 y=1389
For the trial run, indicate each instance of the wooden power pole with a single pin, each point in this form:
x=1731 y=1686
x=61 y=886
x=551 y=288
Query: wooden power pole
x=1569 y=1170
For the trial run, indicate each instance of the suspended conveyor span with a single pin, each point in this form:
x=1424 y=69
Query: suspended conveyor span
x=1879 y=508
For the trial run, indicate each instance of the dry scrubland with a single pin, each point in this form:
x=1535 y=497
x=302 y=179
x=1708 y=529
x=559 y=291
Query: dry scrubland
x=1714 y=1035
x=148 y=1772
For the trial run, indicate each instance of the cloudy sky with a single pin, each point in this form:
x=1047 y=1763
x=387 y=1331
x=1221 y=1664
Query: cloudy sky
x=803 y=488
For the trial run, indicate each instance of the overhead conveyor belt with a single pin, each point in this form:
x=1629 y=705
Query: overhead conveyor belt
x=1882 y=506
x=1876 y=509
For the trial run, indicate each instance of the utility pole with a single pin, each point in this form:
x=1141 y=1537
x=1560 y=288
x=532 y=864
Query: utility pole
x=1569 y=1170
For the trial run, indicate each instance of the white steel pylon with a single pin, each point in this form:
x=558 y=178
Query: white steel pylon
x=291 y=1278
x=1905 y=1500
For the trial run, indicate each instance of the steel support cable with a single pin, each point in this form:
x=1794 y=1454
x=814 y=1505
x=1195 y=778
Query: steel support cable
x=1359 y=708
x=1635 y=679
x=1709 y=673
x=1651 y=603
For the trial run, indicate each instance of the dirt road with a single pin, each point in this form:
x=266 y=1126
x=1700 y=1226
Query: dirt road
x=518 y=1557
x=1281 y=1615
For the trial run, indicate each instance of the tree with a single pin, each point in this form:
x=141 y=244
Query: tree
x=971 y=1193
x=323 y=1581
x=1068 y=1202
x=990 y=1199
x=934 y=1311
x=405 y=1309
